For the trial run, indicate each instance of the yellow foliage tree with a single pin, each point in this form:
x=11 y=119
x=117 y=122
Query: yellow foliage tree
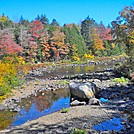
x=131 y=37
x=3 y=19
x=75 y=53
x=7 y=72
x=97 y=42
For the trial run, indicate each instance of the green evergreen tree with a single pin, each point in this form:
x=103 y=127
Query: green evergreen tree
x=116 y=50
x=23 y=22
x=44 y=20
x=121 y=48
x=73 y=36
x=108 y=48
x=54 y=23
x=87 y=30
x=38 y=17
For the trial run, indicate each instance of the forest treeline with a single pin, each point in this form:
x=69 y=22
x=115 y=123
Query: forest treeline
x=39 y=40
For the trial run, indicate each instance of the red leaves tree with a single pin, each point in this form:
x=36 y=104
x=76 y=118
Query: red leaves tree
x=104 y=33
x=7 y=45
x=31 y=41
x=36 y=29
x=101 y=38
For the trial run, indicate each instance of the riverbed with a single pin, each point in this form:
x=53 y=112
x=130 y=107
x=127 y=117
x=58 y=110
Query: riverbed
x=41 y=99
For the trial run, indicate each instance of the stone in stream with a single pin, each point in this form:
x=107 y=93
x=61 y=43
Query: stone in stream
x=83 y=91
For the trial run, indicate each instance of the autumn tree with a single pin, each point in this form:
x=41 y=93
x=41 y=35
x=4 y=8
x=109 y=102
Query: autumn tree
x=123 y=32
x=53 y=45
x=7 y=45
x=46 y=47
x=104 y=32
x=30 y=41
x=5 y=22
x=36 y=29
x=58 y=46
x=105 y=36
x=97 y=42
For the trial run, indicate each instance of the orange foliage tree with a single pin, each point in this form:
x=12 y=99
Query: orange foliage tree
x=97 y=42
x=45 y=45
x=55 y=45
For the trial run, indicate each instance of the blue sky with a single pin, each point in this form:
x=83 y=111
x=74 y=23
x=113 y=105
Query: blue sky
x=64 y=11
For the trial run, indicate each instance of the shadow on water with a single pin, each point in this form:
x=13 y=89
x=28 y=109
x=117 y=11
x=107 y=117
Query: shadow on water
x=38 y=105
x=111 y=124
x=120 y=97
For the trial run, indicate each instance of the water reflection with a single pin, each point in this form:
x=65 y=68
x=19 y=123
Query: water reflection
x=39 y=105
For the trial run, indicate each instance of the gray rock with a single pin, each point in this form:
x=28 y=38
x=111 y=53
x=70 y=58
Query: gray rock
x=94 y=101
x=83 y=90
x=2 y=107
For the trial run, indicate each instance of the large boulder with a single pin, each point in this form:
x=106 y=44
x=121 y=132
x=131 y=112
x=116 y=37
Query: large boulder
x=83 y=91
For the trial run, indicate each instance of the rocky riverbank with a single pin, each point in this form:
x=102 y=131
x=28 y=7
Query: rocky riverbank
x=120 y=103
